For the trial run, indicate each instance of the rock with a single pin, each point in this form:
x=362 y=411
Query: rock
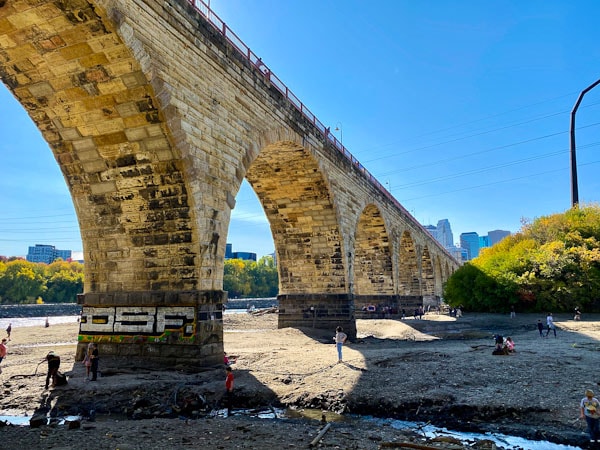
x=37 y=421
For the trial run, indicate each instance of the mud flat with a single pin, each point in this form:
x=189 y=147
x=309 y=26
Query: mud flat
x=437 y=370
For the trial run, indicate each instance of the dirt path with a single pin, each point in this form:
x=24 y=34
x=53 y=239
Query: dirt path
x=439 y=369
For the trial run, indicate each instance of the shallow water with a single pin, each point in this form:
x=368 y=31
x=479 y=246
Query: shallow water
x=430 y=431
x=35 y=321
x=55 y=320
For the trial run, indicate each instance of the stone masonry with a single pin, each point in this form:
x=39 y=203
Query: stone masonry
x=155 y=119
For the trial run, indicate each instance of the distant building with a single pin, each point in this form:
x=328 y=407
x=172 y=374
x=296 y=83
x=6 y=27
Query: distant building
x=433 y=230
x=484 y=241
x=497 y=235
x=470 y=242
x=444 y=233
x=459 y=253
x=248 y=256
x=47 y=254
x=230 y=254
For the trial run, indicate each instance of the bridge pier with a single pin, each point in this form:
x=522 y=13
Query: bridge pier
x=318 y=311
x=162 y=328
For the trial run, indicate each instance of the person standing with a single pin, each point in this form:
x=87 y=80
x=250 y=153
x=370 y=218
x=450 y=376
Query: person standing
x=540 y=326
x=8 y=331
x=53 y=366
x=513 y=313
x=550 y=324
x=340 y=339
x=87 y=361
x=94 y=361
x=3 y=351
x=590 y=409
x=229 y=389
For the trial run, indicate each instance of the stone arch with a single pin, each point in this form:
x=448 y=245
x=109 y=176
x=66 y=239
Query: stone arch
x=409 y=283
x=438 y=276
x=427 y=273
x=299 y=207
x=373 y=268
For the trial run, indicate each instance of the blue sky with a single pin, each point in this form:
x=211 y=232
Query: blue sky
x=462 y=108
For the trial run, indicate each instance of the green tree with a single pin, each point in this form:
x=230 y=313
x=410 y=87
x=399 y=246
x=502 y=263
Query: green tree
x=64 y=282
x=243 y=278
x=21 y=281
x=553 y=263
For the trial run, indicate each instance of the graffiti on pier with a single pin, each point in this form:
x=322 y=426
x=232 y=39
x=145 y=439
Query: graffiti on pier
x=145 y=323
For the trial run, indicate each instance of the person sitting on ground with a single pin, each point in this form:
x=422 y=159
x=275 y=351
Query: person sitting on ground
x=499 y=348
x=509 y=345
x=228 y=360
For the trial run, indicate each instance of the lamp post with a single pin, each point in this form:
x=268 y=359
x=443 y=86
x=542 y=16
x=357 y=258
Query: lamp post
x=339 y=128
x=574 y=188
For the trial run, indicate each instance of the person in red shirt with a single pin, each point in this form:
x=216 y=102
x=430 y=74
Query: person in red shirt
x=229 y=389
x=3 y=351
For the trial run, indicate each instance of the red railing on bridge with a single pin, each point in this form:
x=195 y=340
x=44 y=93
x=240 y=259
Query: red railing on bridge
x=257 y=62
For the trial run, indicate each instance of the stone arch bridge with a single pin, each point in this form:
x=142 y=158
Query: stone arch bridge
x=156 y=112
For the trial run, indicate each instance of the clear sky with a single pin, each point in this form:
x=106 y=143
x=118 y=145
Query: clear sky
x=461 y=108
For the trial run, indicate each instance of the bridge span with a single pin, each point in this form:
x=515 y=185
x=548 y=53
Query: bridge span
x=156 y=112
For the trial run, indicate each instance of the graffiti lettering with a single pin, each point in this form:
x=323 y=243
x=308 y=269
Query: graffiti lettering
x=146 y=320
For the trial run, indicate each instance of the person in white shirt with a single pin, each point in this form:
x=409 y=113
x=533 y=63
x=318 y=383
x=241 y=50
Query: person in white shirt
x=340 y=339
x=550 y=324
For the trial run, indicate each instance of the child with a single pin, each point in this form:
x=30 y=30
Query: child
x=510 y=345
x=590 y=409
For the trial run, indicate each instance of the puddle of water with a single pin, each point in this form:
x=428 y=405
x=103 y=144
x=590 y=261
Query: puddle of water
x=499 y=439
x=23 y=421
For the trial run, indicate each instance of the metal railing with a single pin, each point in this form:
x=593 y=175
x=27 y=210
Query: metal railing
x=257 y=62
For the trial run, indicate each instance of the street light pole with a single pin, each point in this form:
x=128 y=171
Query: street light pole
x=574 y=188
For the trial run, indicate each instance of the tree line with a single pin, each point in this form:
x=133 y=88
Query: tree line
x=23 y=281
x=551 y=264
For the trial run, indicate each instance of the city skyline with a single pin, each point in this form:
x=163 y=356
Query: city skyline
x=462 y=112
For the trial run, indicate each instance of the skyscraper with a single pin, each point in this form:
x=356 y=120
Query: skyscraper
x=497 y=235
x=444 y=233
x=470 y=242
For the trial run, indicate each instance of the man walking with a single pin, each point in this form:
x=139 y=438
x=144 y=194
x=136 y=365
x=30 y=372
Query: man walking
x=550 y=324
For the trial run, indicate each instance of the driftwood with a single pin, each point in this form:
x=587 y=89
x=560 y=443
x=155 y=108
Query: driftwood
x=316 y=440
x=260 y=312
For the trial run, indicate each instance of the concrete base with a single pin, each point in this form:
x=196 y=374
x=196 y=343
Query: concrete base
x=162 y=328
x=318 y=311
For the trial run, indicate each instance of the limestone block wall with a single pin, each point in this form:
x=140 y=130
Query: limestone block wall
x=155 y=119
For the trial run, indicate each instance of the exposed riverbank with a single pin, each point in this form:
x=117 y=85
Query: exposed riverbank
x=438 y=369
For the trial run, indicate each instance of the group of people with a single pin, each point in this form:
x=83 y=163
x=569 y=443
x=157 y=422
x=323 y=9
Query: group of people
x=503 y=346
